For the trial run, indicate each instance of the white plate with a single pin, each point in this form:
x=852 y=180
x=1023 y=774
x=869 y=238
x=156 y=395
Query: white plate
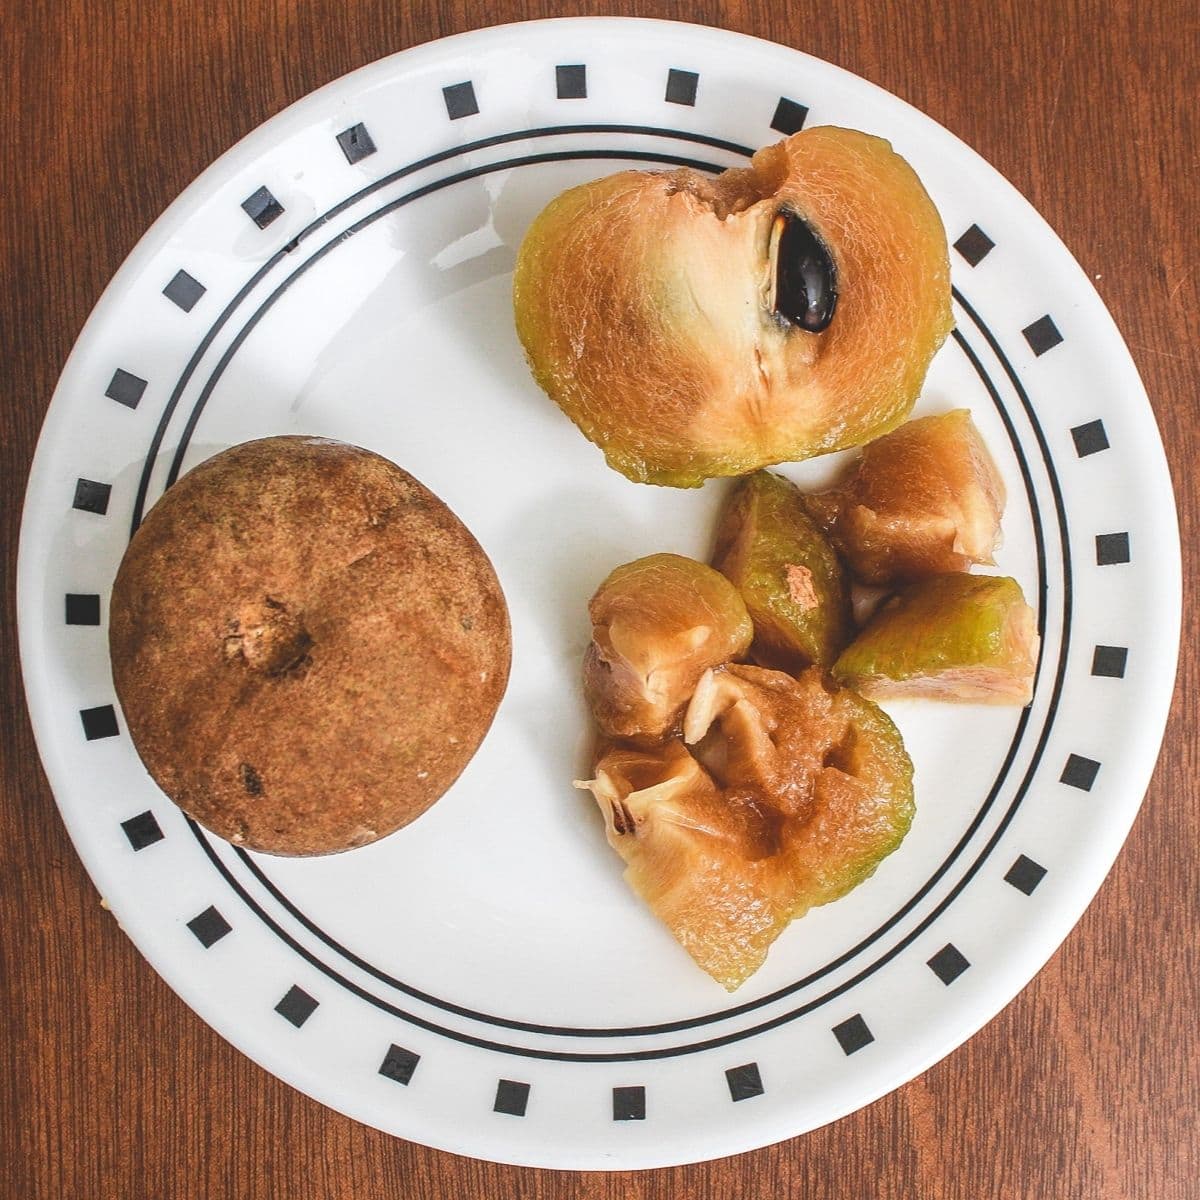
x=483 y=981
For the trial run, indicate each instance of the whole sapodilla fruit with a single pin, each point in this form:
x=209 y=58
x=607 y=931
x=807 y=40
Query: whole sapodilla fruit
x=694 y=325
x=307 y=644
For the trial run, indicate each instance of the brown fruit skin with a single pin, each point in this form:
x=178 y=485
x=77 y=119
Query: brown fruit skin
x=925 y=499
x=794 y=587
x=644 y=304
x=969 y=638
x=658 y=623
x=307 y=644
x=794 y=793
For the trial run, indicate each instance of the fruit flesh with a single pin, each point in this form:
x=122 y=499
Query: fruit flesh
x=794 y=587
x=645 y=304
x=952 y=637
x=658 y=624
x=793 y=793
x=923 y=500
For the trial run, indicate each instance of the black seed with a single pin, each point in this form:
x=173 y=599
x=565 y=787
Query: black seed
x=251 y=780
x=805 y=278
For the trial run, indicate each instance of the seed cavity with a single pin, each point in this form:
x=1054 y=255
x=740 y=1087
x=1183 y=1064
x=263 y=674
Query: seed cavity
x=804 y=291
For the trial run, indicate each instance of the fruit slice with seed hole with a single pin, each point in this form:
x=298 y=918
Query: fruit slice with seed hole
x=794 y=587
x=795 y=792
x=922 y=500
x=694 y=326
x=658 y=624
x=952 y=637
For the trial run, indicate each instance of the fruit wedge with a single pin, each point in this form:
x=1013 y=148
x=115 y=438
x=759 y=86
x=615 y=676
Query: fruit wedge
x=795 y=791
x=794 y=587
x=922 y=500
x=658 y=624
x=694 y=326
x=952 y=637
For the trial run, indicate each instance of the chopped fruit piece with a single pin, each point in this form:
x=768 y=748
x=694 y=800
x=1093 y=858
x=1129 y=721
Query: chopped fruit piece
x=793 y=584
x=694 y=327
x=952 y=637
x=657 y=625
x=796 y=791
x=923 y=500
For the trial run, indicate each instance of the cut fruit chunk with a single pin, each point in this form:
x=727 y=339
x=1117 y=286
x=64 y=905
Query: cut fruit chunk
x=796 y=791
x=952 y=637
x=658 y=624
x=794 y=587
x=923 y=500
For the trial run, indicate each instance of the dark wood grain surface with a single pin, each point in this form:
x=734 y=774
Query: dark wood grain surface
x=1085 y=1086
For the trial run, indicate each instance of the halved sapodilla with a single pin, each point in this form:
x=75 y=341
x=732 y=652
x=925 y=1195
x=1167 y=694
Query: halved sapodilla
x=952 y=637
x=794 y=587
x=658 y=624
x=922 y=500
x=794 y=792
x=695 y=326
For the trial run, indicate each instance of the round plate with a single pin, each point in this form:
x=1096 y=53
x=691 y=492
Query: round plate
x=484 y=981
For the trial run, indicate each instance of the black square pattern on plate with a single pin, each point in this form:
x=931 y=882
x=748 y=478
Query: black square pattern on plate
x=91 y=496
x=1042 y=335
x=681 y=87
x=629 y=1103
x=99 y=722
x=1109 y=661
x=1080 y=772
x=142 y=830
x=399 y=1064
x=744 y=1081
x=570 y=81
x=853 y=1034
x=262 y=208
x=184 y=291
x=356 y=143
x=460 y=100
x=209 y=927
x=297 y=1006
x=789 y=116
x=1089 y=438
x=1111 y=549
x=948 y=963
x=1025 y=874
x=511 y=1097
x=125 y=388
x=974 y=245
x=83 y=609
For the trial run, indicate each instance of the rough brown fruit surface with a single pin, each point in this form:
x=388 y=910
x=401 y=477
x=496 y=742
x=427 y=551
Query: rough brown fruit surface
x=647 y=306
x=658 y=624
x=952 y=637
x=794 y=587
x=923 y=500
x=307 y=644
x=793 y=793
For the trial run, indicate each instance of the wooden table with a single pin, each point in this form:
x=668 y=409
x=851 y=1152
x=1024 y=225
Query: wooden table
x=1085 y=1086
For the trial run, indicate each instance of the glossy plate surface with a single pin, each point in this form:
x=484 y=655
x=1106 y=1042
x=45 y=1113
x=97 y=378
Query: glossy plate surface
x=483 y=981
